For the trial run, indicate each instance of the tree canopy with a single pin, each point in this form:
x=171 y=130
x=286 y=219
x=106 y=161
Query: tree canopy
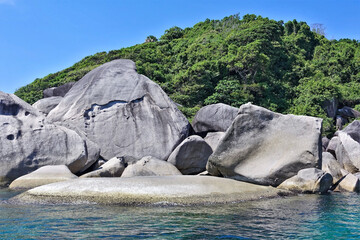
x=286 y=67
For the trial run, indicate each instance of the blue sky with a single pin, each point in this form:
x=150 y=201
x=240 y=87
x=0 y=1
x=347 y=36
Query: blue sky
x=38 y=37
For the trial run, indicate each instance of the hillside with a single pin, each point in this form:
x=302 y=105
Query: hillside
x=285 y=67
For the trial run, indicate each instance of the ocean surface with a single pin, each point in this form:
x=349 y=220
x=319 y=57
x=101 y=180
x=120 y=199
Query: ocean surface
x=333 y=216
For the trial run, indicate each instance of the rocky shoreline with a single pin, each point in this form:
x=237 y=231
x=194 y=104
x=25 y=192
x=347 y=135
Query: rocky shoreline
x=115 y=137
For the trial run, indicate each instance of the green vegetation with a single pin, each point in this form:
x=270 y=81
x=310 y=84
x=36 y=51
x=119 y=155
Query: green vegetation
x=284 y=67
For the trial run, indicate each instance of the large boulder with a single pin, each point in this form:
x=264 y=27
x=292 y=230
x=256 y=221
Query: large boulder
x=112 y=168
x=42 y=176
x=150 y=166
x=45 y=105
x=27 y=143
x=267 y=148
x=191 y=156
x=348 y=153
x=214 y=118
x=124 y=112
x=58 y=91
x=331 y=166
x=310 y=180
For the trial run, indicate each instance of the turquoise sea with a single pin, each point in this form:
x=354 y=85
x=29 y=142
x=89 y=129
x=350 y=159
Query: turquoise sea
x=333 y=216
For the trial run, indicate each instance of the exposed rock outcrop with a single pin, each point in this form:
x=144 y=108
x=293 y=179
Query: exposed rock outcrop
x=331 y=166
x=267 y=148
x=123 y=112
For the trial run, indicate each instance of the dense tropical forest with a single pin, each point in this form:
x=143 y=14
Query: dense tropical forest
x=285 y=67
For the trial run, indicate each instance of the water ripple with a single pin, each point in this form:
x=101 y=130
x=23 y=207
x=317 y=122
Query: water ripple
x=334 y=216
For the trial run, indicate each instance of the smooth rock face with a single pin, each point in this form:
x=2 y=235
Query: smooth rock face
x=213 y=139
x=112 y=168
x=350 y=183
x=45 y=105
x=58 y=91
x=123 y=112
x=348 y=153
x=149 y=190
x=191 y=156
x=331 y=166
x=150 y=166
x=267 y=148
x=27 y=143
x=42 y=176
x=310 y=180
x=214 y=118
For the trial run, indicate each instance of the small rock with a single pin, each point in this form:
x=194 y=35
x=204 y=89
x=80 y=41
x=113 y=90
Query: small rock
x=214 y=118
x=310 y=180
x=191 y=156
x=112 y=168
x=42 y=176
x=213 y=139
x=350 y=183
x=150 y=166
x=331 y=148
x=331 y=166
x=348 y=153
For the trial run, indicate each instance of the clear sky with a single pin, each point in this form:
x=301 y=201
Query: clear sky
x=38 y=37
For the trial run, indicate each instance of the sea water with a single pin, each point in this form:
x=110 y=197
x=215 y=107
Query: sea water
x=333 y=216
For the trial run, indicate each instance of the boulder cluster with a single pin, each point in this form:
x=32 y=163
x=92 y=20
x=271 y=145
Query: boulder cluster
x=117 y=123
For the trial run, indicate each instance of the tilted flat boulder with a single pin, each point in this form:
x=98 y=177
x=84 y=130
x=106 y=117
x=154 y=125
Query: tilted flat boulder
x=348 y=152
x=331 y=166
x=191 y=156
x=28 y=143
x=214 y=118
x=58 y=91
x=123 y=112
x=112 y=168
x=42 y=176
x=267 y=148
x=309 y=180
x=150 y=166
x=350 y=183
x=334 y=142
x=185 y=190
x=45 y=105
